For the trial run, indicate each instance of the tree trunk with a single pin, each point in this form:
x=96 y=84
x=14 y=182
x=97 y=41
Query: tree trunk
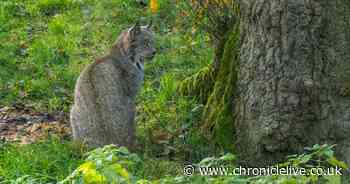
x=293 y=79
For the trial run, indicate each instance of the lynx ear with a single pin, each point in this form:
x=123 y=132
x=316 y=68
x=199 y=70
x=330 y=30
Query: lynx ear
x=135 y=30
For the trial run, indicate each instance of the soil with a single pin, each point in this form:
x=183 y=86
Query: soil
x=24 y=125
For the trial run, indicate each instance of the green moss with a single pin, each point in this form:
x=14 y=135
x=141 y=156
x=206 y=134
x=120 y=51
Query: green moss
x=216 y=89
x=218 y=114
x=199 y=85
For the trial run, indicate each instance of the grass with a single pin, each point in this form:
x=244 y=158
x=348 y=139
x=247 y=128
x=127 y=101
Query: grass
x=52 y=160
x=48 y=161
x=46 y=43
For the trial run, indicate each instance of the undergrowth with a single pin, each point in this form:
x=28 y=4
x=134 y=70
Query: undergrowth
x=48 y=161
x=45 y=44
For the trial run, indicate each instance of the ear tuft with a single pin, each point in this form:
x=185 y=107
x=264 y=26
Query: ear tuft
x=135 y=30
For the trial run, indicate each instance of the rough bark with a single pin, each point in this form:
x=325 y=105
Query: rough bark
x=294 y=65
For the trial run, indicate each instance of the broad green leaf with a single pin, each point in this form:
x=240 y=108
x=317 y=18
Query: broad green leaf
x=90 y=174
x=228 y=157
x=333 y=179
x=121 y=171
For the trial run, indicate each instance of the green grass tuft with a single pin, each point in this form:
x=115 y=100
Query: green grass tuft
x=49 y=161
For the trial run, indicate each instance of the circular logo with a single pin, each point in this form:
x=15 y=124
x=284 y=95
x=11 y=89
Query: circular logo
x=188 y=170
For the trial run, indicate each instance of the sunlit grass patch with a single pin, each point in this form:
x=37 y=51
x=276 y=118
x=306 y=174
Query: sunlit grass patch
x=50 y=161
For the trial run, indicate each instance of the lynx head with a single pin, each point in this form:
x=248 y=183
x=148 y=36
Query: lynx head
x=136 y=43
x=142 y=44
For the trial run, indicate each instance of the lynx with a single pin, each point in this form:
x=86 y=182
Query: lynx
x=104 y=101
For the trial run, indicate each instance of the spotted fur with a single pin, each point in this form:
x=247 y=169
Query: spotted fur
x=104 y=101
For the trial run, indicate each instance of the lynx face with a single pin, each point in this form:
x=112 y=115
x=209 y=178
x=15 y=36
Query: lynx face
x=142 y=45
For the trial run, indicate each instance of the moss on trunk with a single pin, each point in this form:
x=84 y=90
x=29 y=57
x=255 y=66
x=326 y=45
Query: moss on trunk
x=218 y=113
x=199 y=85
x=216 y=89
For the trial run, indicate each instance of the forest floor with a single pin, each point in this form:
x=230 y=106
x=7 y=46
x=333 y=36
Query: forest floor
x=45 y=44
x=22 y=124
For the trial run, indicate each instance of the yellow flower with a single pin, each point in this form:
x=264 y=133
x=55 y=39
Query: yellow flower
x=154 y=6
x=121 y=171
x=90 y=175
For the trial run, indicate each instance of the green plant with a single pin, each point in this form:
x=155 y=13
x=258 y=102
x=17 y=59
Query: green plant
x=26 y=179
x=105 y=165
x=51 y=7
x=47 y=161
x=315 y=158
x=117 y=161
